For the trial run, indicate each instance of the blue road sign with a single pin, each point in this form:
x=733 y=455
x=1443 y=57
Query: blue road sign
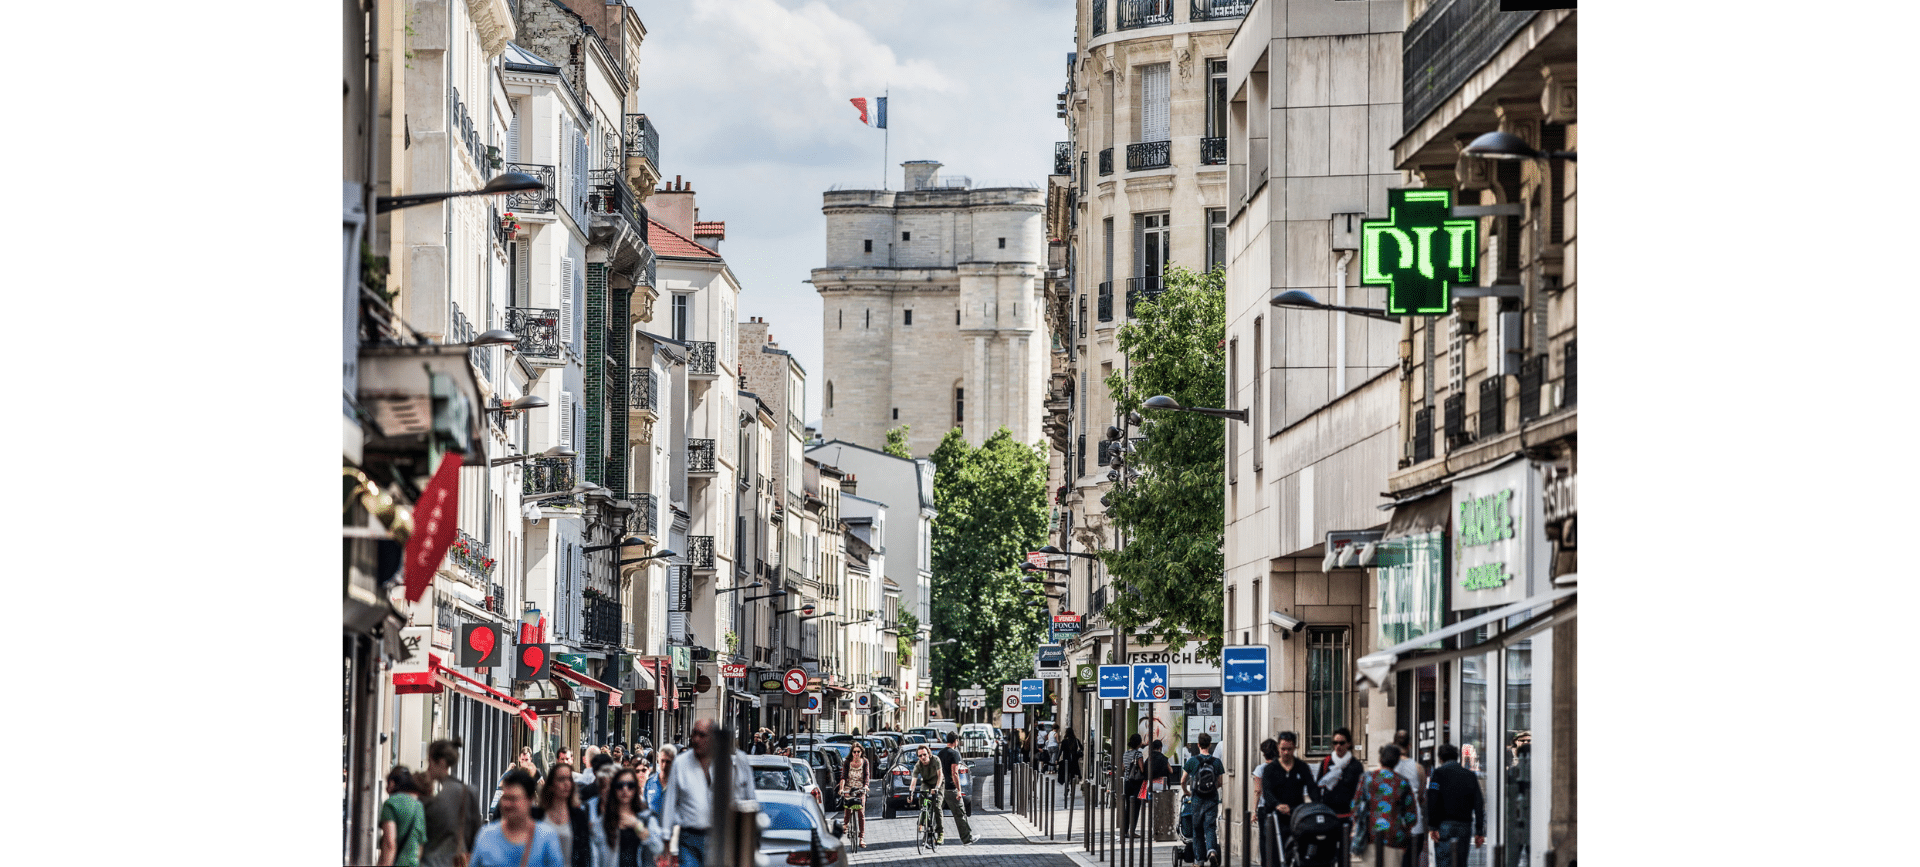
x=1033 y=691
x=1114 y=680
x=1149 y=683
x=1245 y=670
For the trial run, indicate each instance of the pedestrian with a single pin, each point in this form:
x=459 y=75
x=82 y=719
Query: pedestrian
x=1070 y=752
x=583 y=773
x=595 y=765
x=1282 y=784
x=452 y=807
x=950 y=775
x=1384 y=809
x=759 y=747
x=1200 y=780
x=1339 y=777
x=403 y=821
x=1455 y=809
x=1416 y=776
x=517 y=840
x=1133 y=776
x=626 y=834
x=559 y=806
x=658 y=781
x=853 y=793
x=1159 y=771
x=618 y=753
x=1049 y=746
x=686 y=806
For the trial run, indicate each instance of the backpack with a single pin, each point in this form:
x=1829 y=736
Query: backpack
x=1206 y=779
x=1136 y=770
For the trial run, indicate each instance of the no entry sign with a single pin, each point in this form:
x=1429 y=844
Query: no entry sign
x=795 y=682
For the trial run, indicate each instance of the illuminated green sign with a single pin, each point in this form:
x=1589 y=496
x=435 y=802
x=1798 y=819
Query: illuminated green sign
x=1418 y=252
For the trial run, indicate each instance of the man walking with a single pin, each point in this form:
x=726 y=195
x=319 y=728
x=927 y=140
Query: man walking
x=1200 y=781
x=1339 y=777
x=950 y=772
x=687 y=803
x=1283 y=784
x=452 y=808
x=1455 y=808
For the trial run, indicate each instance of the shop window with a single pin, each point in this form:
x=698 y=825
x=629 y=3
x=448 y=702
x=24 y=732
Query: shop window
x=1328 y=649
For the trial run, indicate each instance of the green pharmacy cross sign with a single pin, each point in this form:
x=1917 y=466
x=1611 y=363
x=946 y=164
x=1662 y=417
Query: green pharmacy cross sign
x=1419 y=252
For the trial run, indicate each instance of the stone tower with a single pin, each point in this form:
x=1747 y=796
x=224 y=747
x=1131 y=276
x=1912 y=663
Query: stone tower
x=932 y=311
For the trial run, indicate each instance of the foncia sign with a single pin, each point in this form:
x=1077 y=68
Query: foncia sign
x=1419 y=252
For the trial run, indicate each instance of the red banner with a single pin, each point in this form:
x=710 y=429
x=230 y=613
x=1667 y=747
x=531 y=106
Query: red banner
x=435 y=521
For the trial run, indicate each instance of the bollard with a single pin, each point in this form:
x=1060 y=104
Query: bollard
x=1052 y=807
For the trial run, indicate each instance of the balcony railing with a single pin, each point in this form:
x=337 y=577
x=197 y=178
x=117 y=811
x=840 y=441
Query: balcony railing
x=1533 y=375
x=1106 y=162
x=1144 y=13
x=548 y=476
x=533 y=201
x=463 y=332
x=602 y=616
x=1444 y=46
x=1455 y=419
x=703 y=359
x=1423 y=435
x=610 y=199
x=700 y=552
x=643 y=390
x=497 y=599
x=1149 y=155
x=538 y=329
x=1493 y=405
x=470 y=554
x=648 y=266
x=1216 y=10
x=1099 y=17
x=645 y=520
x=1106 y=302
x=1213 y=150
x=1098 y=600
x=1142 y=288
x=1062 y=157
x=700 y=456
x=642 y=139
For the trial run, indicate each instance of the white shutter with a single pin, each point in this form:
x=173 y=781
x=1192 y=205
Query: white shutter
x=523 y=273
x=513 y=136
x=566 y=418
x=566 y=300
x=1153 y=103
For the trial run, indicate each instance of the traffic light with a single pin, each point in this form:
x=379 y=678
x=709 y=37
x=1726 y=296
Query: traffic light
x=480 y=645
x=533 y=662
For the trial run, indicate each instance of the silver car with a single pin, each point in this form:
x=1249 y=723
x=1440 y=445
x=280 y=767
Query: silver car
x=793 y=825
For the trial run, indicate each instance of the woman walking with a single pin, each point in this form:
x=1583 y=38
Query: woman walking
x=625 y=835
x=560 y=807
x=1384 y=808
x=1069 y=758
x=853 y=794
x=517 y=840
x=403 y=821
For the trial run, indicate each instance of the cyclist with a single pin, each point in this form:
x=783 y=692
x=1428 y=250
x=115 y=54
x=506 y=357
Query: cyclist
x=853 y=795
x=926 y=774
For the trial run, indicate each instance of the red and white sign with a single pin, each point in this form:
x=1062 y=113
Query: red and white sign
x=1037 y=559
x=1203 y=694
x=729 y=669
x=434 y=524
x=795 y=681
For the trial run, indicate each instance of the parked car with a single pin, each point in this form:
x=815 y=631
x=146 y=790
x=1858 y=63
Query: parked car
x=931 y=735
x=794 y=825
x=825 y=764
x=781 y=774
x=914 y=738
x=804 y=775
x=900 y=781
x=978 y=739
x=880 y=750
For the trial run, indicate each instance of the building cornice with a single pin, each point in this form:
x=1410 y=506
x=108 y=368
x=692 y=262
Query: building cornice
x=494 y=24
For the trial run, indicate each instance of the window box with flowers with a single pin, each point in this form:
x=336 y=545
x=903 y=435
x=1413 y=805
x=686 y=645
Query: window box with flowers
x=471 y=554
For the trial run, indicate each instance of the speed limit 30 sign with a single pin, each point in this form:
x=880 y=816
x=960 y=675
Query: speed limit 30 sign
x=1010 y=698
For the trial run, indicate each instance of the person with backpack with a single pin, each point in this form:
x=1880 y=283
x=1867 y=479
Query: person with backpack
x=1339 y=777
x=1385 y=809
x=1201 y=782
x=1133 y=770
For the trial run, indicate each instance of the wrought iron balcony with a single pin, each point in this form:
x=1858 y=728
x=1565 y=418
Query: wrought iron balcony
x=1141 y=288
x=1149 y=155
x=643 y=390
x=602 y=619
x=700 y=552
x=1098 y=600
x=700 y=456
x=548 y=476
x=645 y=520
x=704 y=361
x=497 y=599
x=1062 y=157
x=649 y=267
x=532 y=201
x=1144 y=13
x=1454 y=408
x=538 y=329
x=1216 y=10
x=1106 y=302
x=1106 y=162
x=1493 y=405
x=1213 y=150
x=1099 y=17
x=1444 y=47
x=470 y=554
x=610 y=200
x=642 y=140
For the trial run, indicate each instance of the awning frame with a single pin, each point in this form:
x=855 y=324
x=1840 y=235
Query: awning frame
x=561 y=669
x=1372 y=669
x=488 y=696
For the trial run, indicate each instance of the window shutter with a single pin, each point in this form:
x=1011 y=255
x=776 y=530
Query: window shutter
x=513 y=136
x=566 y=300
x=1153 y=103
x=566 y=418
x=1139 y=246
x=523 y=274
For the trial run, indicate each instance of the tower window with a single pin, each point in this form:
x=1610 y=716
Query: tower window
x=909 y=317
x=869 y=245
x=906 y=236
x=843 y=318
x=896 y=413
x=956 y=316
x=869 y=320
x=959 y=405
x=1003 y=243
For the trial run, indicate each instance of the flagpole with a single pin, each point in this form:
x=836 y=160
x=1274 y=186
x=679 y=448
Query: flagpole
x=886 y=139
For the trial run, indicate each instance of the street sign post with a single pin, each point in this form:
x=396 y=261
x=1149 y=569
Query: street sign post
x=1033 y=691
x=1244 y=670
x=812 y=704
x=1114 y=681
x=1149 y=683
x=795 y=682
x=1010 y=698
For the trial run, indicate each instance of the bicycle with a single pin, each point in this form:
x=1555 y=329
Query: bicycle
x=929 y=836
x=854 y=805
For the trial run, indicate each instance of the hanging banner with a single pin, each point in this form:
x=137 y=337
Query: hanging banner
x=434 y=526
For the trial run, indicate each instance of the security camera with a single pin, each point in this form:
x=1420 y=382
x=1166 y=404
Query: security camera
x=1282 y=621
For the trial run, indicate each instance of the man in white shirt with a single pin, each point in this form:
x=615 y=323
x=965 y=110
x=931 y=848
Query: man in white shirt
x=687 y=803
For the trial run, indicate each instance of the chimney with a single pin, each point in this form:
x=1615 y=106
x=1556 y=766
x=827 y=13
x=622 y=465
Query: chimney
x=709 y=232
x=921 y=174
x=752 y=333
x=672 y=206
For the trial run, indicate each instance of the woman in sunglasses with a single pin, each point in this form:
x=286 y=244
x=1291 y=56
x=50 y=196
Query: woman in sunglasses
x=624 y=834
x=560 y=806
x=853 y=795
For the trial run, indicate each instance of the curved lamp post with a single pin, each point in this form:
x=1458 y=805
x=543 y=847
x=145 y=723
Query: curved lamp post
x=1305 y=301
x=1161 y=401
x=510 y=182
x=1499 y=145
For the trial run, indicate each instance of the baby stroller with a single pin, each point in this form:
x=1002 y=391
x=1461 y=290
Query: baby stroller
x=1184 y=831
x=1316 y=840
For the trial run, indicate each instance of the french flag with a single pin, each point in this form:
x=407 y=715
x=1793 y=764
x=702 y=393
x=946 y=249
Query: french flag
x=879 y=118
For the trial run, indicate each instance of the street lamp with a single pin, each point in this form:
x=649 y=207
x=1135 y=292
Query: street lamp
x=629 y=542
x=1026 y=566
x=555 y=452
x=817 y=616
x=717 y=591
x=774 y=595
x=531 y=401
x=1305 y=301
x=1499 y=145
x=804 y=609
x=1161 y=401
x=943 y=641
x=660 y=556
x=510 y=182
x=1057 y=552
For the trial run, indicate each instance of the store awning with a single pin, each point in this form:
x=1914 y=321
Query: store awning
x=483 y=694
x=887 y=705
x=561 y=669
x=643 y=676
x=1553 y=606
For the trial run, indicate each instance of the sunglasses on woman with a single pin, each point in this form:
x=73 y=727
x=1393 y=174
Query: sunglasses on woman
x=629 y=785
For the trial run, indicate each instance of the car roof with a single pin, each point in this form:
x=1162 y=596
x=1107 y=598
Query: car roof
x=769 y=762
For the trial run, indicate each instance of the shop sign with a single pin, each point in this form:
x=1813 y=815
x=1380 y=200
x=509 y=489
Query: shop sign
x=1411 y=575
x=1420 y=252
x=1494 y=537
x=730 y=669
x=1065 y=626
x=682 y=659
x=772 y=684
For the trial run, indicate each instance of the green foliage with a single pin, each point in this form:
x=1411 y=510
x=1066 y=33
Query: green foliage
x=909 y=626
x=993 y=510
x=1173 y=516
x=897 y=442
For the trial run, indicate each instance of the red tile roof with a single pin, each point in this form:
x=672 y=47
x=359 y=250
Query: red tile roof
x=667 y=242
x=710 y=229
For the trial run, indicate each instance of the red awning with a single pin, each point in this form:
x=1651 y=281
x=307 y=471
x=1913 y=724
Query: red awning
x=562 y=670
x=484 y=694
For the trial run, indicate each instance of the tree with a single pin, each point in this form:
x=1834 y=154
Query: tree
x=993 y=510
x=909 y=627
x=897 y=442
x=1172 y=517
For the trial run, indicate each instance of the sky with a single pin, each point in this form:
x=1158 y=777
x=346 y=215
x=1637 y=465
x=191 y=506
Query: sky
x=751 y=101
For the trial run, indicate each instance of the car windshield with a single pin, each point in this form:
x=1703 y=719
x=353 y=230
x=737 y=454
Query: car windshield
x=772 y=778
x=782 y=816
x=804 y=773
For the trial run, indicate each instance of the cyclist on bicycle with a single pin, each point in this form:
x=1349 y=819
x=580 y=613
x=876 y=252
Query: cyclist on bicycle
x=853 y=795
x=926 y=775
